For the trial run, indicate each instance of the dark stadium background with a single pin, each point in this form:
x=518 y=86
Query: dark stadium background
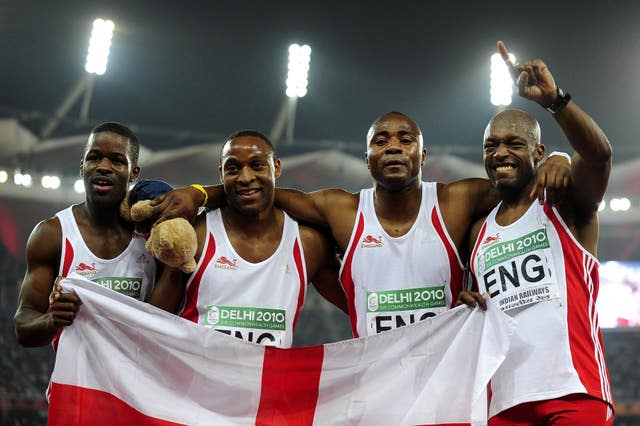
x=184 y=75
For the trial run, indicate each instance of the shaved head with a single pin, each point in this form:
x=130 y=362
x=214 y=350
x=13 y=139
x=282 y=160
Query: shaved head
x=378 y=123
x=518 y=122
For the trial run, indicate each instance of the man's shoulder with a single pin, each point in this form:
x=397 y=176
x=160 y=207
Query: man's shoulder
x=464 y=190
x=45 y=239
x=48 y=228
x=341 y=195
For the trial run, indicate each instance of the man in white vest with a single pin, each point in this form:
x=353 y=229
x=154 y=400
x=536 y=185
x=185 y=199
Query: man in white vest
x=537 y=262
x=253 y=260
x=89 y=239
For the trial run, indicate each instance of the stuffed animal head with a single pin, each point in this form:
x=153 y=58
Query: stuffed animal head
x=141 y=195
x=173 y=242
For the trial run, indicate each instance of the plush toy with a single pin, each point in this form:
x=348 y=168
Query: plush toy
x=174 y=241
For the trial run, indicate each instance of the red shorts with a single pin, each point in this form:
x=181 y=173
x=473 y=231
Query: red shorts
x=569 y=410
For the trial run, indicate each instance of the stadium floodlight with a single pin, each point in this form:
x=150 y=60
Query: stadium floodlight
x=22 y=179
x=501 y=85
x=99 y=45
x=50 y=182
x=299 y=64
x=4 y=176
x=78 y=186
x=620 y=204
x=97 y=58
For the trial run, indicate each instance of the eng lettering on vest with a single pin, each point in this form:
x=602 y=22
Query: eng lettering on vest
x=264 y=326
x=518 y=272
x=391 y=309
x=129 y=286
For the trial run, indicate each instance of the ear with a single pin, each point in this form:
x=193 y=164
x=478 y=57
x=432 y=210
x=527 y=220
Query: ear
x=538 y=154
x=81 y=167
x=424 y=156
x=366 y=160
x=220 y=174
x=135 y=172
x=277 y=167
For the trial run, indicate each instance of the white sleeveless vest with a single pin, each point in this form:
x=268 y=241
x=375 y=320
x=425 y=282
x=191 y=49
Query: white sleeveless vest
x=390 y=282
x=257 y=302
x=538 y=273
x=132 y=272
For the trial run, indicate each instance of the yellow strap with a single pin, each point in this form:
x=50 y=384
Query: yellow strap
x=201 y=189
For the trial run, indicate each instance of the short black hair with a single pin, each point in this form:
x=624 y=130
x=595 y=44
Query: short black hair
x=248 y=132
x=122 y=130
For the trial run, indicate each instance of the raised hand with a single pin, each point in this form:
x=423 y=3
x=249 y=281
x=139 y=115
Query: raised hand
x=533 y=78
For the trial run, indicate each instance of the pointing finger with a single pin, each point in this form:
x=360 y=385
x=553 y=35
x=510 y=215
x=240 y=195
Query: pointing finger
x=513 y=70
x=504 y=52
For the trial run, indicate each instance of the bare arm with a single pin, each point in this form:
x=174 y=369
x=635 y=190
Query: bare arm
x=184 y=202
x=591 y=163
x=323 y=266
x=169 y=288
x=41 y=311
x=314 y=207
x=464 y=201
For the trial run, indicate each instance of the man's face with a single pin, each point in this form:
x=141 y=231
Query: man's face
x=511 y=153
x=248 y=172
x=395 y=153
x=106 y=168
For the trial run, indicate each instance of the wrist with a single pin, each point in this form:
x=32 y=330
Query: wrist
x=559 y=102
x=203 y=197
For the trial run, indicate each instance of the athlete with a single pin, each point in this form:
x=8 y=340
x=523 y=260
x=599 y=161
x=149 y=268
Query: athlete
x=254 y=261
x=538 y=263
x=89 y=239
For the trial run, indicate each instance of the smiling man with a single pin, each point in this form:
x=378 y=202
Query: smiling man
x=538 y=263
x=89 y=239
x=254 y=261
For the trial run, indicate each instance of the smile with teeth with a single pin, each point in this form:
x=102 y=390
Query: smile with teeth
x=248 y=192
x=504 y=169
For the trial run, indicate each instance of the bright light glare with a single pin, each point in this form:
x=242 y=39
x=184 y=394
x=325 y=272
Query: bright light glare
x=78 y=186
x=50 y=182
x=620 y=204
x=501 y=86
x=22 y=179
x=4 y=176
x=99 y=45
x=297 y=77
x=602 y=205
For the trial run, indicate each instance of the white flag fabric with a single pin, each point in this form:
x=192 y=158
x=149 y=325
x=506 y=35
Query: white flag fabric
x=125 y=362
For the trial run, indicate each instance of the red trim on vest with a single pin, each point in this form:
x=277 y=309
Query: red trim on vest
x=346 y=279
x=297 y=256
x=455 y=271
x=190 y=310
x=585 y=338
x=68 y=257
